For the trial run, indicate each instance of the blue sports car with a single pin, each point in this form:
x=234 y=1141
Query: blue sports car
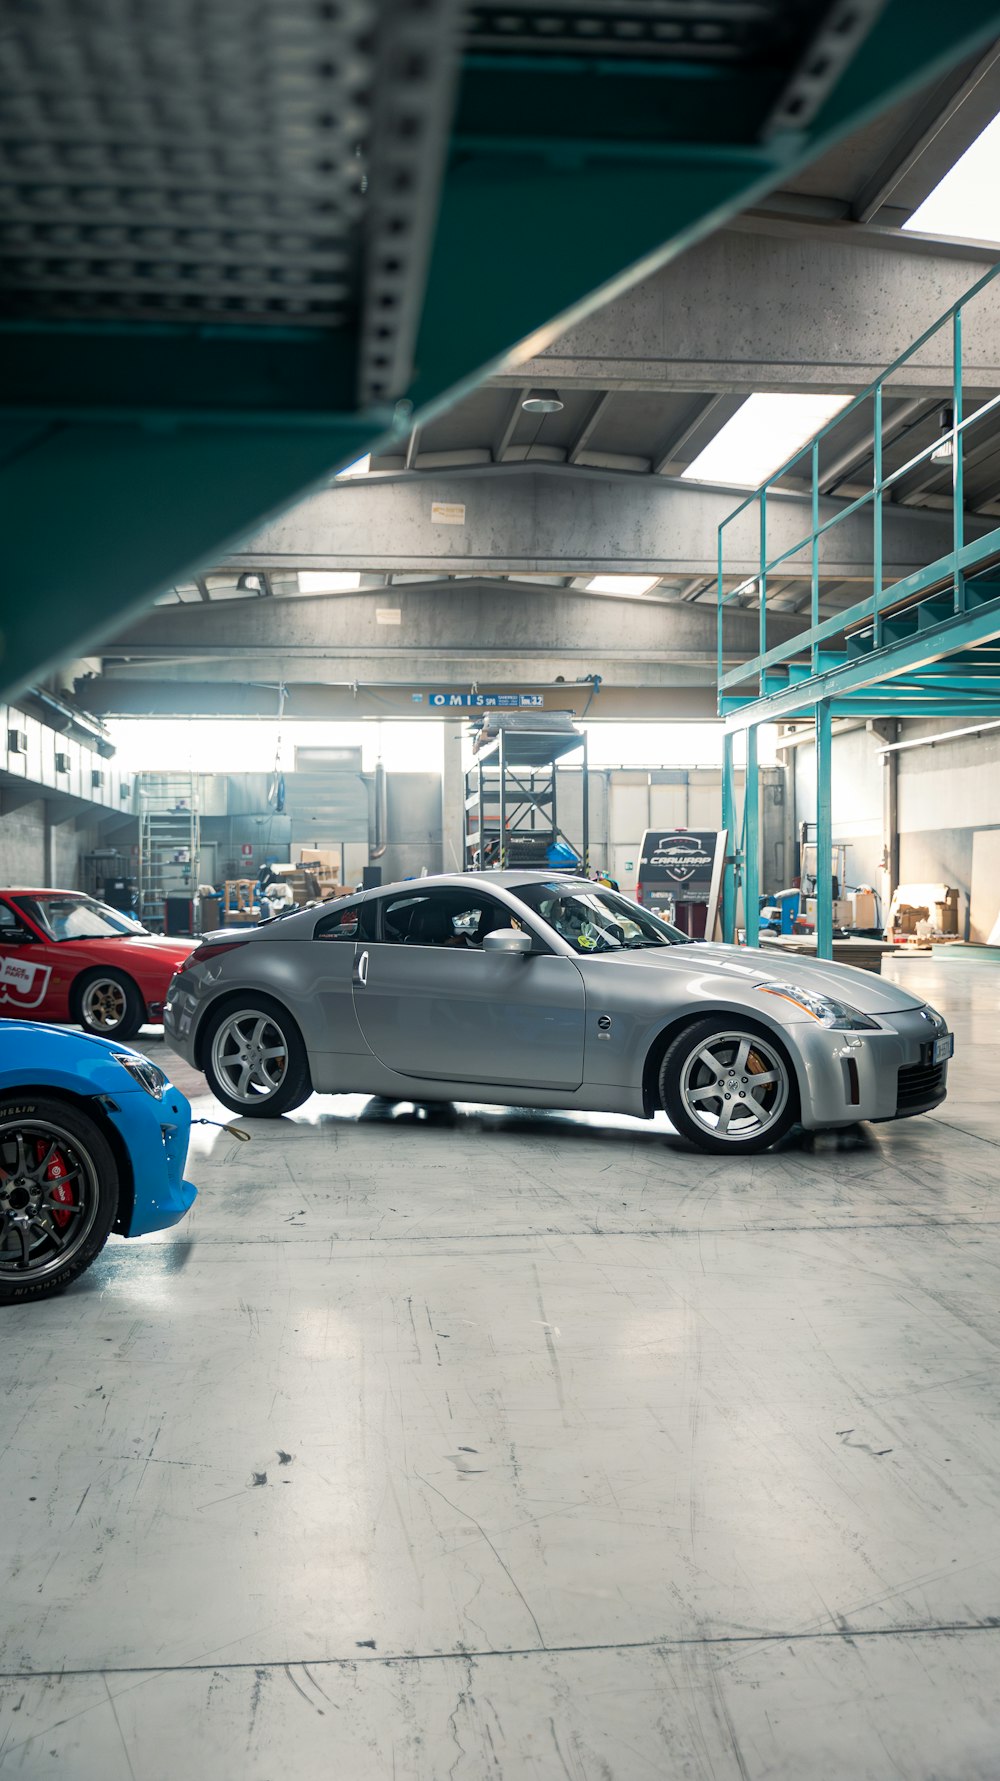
x=93 y=1139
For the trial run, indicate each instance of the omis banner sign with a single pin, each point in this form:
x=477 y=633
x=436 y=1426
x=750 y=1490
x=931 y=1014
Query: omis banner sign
x=23 y=985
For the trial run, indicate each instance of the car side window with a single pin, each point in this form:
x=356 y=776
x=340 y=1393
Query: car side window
x=357 y=922
x=445 y=916
x=8 y=922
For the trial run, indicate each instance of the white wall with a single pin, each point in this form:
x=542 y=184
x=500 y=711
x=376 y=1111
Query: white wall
x=856 y=795
x=948 y=803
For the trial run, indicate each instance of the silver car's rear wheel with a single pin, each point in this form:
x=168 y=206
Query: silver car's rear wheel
x=728 y=1087
x=255 y=1060
x=250 y=1056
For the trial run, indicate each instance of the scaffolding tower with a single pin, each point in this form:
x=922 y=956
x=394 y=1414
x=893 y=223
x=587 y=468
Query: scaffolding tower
x=511 y=799
x=169 y=840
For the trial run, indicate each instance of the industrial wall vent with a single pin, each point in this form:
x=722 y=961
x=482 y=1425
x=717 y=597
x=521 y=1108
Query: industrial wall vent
x=62 y=763
x=96 y=778
x=17 y=742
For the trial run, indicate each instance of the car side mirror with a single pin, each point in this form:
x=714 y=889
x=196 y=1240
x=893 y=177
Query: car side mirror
x=507 y=940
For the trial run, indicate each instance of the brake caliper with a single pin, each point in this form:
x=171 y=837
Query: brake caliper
x=62 y=1191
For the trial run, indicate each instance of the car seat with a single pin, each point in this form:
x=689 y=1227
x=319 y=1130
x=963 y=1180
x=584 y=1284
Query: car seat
x=430 y=925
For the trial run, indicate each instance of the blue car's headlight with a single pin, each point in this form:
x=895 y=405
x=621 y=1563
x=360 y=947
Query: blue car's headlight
x=825 y=1009
x=148 y=1076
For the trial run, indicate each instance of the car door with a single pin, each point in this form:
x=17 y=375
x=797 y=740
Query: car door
x=432 y=1003
x=324 y=967
x=30 y=985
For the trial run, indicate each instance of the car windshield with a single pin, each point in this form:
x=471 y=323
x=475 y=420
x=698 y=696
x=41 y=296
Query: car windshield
x=593 y=919
x=78 y=918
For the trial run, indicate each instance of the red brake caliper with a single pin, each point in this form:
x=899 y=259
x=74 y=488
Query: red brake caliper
x=62 y=1192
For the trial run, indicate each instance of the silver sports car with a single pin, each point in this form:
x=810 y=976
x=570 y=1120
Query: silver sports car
x=539 y=990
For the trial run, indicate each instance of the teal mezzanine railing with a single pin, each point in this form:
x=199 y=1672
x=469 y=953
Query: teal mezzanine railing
x=803 y=657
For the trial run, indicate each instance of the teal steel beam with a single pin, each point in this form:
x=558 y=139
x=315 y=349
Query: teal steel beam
x=100 y=510
x=873 y=705
x=659 y=163
x=183 y=376
x=537 y=226
x=751 y=846
x=824 y=832
x=729 y=875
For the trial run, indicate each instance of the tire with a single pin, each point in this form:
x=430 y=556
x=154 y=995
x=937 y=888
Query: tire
x=255 y=1061
x=719 y=1118
x=50 y=1147
x=109 y=1004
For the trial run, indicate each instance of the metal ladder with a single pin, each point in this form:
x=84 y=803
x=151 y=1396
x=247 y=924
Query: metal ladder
x=169 y=840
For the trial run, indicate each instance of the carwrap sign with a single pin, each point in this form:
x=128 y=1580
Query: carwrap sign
x=22 y=984
x=675 y=866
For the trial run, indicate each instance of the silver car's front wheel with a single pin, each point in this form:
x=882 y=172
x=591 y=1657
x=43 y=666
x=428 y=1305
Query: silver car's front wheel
x=255 y=1060
x=728 y=1087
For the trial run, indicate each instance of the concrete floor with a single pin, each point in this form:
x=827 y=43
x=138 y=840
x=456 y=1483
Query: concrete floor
x=478 y=1445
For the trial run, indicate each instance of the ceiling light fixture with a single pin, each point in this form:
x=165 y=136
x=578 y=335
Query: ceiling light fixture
x=945 y=448
x=542 y=402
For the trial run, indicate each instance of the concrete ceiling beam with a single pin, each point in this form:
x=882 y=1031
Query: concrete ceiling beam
x=537 y=519
x=771 y=304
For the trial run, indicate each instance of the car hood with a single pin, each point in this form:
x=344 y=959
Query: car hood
x=159 y=947
x=12 y=1030
x=749 y=965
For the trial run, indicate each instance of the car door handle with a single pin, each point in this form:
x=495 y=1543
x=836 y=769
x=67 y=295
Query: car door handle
x=361 y=970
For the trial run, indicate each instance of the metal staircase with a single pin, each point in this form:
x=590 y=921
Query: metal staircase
x=206 y=307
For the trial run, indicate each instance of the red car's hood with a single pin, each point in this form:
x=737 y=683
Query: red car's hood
x=160 y=951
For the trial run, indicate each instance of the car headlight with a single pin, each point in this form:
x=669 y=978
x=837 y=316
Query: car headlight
x=148 y=1076
x=826 y=1009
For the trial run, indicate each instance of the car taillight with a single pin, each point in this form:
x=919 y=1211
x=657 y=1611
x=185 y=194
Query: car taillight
x=202 y=954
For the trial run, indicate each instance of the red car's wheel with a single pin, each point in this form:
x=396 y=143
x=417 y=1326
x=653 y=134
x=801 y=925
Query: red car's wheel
x=108 y=1003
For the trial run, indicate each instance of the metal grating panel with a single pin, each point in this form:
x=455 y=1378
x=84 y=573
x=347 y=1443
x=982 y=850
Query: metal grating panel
x=180 y=160
x=709 y=31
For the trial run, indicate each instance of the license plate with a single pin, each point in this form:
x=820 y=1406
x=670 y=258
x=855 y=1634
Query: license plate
x=944 y=1048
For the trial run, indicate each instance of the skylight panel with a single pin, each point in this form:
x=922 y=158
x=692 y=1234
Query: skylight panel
x=966 y=202
x=329 y=581
x=622 y=584
x=761 y=436
x=360 y=467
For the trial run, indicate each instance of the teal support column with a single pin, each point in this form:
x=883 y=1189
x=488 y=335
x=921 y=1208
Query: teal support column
x=958 y=462
x=751 y=829
x=824 y=833
x=877 y=517
x=732 y=840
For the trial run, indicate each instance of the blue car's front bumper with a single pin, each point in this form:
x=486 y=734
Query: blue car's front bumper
x=155 y=1135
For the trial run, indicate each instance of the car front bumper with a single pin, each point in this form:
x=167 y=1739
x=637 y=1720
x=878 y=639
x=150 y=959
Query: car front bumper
x=877 y=1074
x=155 y=1135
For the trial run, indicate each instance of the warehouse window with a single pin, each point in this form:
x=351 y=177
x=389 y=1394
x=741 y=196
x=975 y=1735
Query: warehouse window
x=356 y=922
x=450 y=918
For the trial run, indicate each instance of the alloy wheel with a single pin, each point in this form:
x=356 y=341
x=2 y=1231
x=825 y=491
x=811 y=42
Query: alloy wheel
x=735 y=1086
x=250 y=1056
x=104 y=1004
x=49 y=1197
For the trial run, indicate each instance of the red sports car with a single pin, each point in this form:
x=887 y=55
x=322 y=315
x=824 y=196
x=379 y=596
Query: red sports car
x=64 y=956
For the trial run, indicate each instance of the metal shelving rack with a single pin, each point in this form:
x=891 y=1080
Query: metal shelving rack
x=511 y=799
x=169 y=840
